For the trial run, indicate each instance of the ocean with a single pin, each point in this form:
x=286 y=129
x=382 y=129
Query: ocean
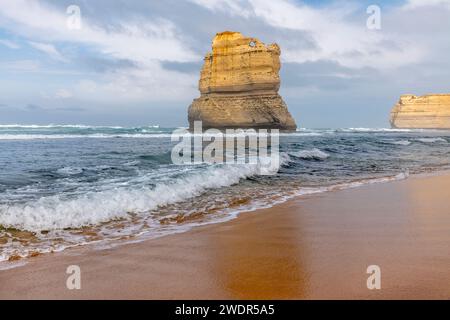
x=66 y=186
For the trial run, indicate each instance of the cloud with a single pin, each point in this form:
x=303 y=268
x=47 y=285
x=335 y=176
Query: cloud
x=141 y=43
x=233 y=7
x=142 y=58
x=105 y=65
x=323 y=76
x=414 y=4
x=63 y=94
x=333 y=30
x=20 y=65
x=185 y=67
x=138 y=40
x=71 y=109
x=48 y=49
x=148 y=83
x=33 y=107
x=10 y=44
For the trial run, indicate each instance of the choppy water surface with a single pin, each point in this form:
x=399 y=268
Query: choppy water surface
x=63 y=186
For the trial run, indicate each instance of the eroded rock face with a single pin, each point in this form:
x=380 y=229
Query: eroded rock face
x=424 y=112
x=239 y=85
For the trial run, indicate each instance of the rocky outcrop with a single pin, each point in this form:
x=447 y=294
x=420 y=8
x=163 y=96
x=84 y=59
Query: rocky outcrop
x=239 y=85
x=425 y=112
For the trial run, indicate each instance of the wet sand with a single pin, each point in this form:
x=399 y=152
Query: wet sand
x=315 y=247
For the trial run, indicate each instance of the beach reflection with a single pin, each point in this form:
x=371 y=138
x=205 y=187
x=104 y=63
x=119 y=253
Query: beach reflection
x=262 y=261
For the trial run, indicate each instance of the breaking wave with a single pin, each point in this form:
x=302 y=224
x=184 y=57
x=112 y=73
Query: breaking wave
x=51 y=213
x=313 y=154
x=57 y=193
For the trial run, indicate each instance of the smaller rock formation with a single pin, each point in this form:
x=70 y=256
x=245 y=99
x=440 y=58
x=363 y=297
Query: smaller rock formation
x=239 y=85
x=425 y=112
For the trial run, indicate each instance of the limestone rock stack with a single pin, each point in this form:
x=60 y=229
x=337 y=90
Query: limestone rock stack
x=239 y=85
x=424 y=112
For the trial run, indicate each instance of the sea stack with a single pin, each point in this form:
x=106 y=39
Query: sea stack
x=239 y=85
x=430 y=111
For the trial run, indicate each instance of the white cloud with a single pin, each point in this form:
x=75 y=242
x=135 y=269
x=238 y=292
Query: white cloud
x=20 y=65
x=145 y=43
x=63 y=94
x=48 y=49
x=413 y=37
x=234 y=7
x=150 y=82
x=413 y=4
x=332 y=29
x=9 y=44
x=139 y=41
x=87 y=86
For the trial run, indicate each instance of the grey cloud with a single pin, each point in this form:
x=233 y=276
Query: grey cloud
x=32 y=106
x=323 y=75
x=196 y=24
x=71 y=109
x=349 y=96
x=102 y=65
x=188 y=67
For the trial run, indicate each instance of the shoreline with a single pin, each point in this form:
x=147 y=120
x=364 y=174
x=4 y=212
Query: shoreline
x=309 y=247
x=233 y=214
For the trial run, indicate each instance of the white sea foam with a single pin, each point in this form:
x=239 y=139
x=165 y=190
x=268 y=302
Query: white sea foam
x=431 y=140
x=374 y=130
x=69 y=170
x=226 y=216
x=80 y=136
x=11 y=265
x=301 y=134
x=145 y=134
x=359 y=183
x=51 y=213
x=74 y=126
x=399 y=142
x=149 y=132
x=315 y=154
x=132 y=163
x=49 y=126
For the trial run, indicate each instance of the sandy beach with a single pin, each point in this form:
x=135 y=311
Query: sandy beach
x=315 y=247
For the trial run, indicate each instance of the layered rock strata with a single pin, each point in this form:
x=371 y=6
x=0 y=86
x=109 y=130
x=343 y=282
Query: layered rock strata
x=239 y=85
x=425 y=112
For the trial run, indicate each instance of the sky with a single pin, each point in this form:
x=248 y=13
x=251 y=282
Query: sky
x=133 y=62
